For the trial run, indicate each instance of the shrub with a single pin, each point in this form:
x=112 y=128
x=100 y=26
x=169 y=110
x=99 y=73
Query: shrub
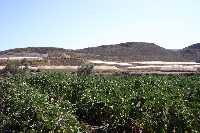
x=16 y=67
x=25 y=63
x=85 y=69
x=12 y=68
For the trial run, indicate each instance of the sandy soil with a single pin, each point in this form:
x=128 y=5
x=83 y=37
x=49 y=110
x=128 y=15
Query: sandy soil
x=106 y=68
x=57 y=67
x=2 y=67
x=165 y=63
x=151 y=66
x=110 y=63
x=165 y=68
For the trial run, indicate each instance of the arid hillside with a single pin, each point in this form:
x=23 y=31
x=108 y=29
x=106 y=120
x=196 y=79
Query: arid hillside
x=133 y=51
x=124 y=52
x=191 y=53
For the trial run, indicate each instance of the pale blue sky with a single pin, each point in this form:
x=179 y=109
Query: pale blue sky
x=84 y=23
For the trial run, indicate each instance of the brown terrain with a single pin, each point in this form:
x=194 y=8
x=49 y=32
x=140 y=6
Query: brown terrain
x=130 y=56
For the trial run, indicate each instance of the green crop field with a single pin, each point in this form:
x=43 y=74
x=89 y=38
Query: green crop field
x=58 y=102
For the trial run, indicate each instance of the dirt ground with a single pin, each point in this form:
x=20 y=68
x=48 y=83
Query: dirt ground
x=148 y=67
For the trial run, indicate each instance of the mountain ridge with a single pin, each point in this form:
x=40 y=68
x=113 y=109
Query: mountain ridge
x=129 y=51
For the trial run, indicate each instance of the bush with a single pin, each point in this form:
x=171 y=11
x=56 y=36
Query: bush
x=85 y=69
x=12 y=68
x=15 y=67
x=25 y=63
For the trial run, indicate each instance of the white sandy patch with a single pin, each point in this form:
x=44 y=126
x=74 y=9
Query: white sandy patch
x=2 y=67
x=144 y=67
x=58 y=67
x=178 y=68
x=165 y=63
x=151 y=67
x=106 y=68
x=165 y=68
x=109 y=63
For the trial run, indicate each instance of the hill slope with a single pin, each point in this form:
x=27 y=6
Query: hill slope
x=194 y=46
x=132 y=51
x=191 y=52
x=33 y=51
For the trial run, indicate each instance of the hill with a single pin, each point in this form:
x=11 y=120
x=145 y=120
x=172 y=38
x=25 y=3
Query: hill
x=191 y=52
x=132 y=51
x=50 y=55
x=33 y=51
x=194 y=46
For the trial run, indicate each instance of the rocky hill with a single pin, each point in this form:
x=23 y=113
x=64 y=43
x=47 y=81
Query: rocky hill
x=191 y=52
x=130 y=51
x=33 y=51
x=133 y=51
x=194 y=46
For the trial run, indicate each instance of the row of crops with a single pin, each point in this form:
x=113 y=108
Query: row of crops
x=58 y=102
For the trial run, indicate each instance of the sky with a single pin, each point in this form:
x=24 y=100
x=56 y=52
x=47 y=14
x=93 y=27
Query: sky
x=75 y=24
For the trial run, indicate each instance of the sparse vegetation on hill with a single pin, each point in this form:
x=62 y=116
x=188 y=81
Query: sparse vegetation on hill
x=194 y=46
x=33 y=51
x=130 y=51
x=191 y=52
